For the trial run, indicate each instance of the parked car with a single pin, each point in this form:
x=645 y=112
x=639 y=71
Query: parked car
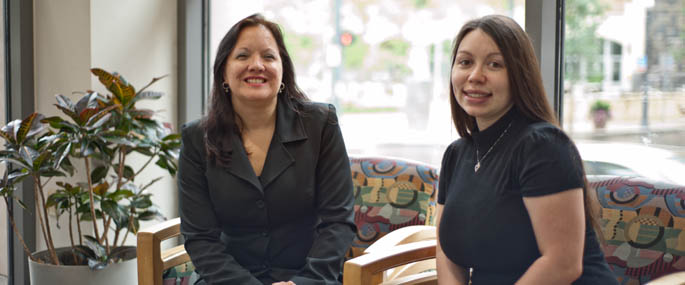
x=630 y=159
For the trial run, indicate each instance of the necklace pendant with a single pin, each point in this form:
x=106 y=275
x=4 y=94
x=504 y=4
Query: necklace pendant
x=475 y=169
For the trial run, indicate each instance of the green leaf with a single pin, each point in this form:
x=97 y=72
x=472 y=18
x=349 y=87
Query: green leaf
x=8 y=137
x=141 y=113
x=101 y=188
x=142 y=202
x=29 y=125
x=111 y=208
x=51 y=173
x=65 y=102
x=150 y=215
x=162 y=162
x=93 y=244
x=69 y=113
x=28 y=154
x=99 y=173
x=172 y=137
x=61 y=153
x=120 y=194
x=88 y=101
x=145 y=95
x=144 y=151
x=101 y=117
x=38 y=162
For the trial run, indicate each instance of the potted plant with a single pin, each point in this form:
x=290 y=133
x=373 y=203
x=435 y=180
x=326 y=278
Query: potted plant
x=600 y=113
x=101 y=131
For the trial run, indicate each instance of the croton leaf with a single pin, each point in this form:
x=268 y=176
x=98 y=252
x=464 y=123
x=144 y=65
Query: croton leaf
x=88 y=101
x=153 y=95
x=86 y=114
x=100 y=117
x=38 y=161
x=29 y=126
x=65 y=102
x=8 y=137
x=11 y=129
x=69 y=113
x=141 y=113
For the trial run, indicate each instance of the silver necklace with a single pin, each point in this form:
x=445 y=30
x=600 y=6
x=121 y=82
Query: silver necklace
x=478 y=160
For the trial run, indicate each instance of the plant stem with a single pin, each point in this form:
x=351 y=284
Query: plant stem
x=104 y=234
x=78 y=227
x=120 y=172
x=116 y=237
x=14 y=228
x=92 y=201
x=44 y=224
x=71 y=233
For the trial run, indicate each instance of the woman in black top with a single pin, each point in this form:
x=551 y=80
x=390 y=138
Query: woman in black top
x=265 y=182
x=513 y=205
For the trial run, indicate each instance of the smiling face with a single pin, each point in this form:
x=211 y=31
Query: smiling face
x=254 y=69
x=479 y=79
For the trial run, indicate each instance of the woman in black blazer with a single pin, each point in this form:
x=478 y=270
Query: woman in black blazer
x=265 y=188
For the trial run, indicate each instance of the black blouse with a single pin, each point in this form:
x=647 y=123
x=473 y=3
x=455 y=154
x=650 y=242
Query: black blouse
x=293 y=222
x=484 y=224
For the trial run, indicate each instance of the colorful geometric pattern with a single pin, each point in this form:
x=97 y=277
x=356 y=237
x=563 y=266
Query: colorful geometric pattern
x=179 y=275
x=643 y=225
x=390 y=193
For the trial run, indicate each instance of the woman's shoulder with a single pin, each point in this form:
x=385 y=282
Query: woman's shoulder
x=543 y=132
x=319 y=112
x=193 y=126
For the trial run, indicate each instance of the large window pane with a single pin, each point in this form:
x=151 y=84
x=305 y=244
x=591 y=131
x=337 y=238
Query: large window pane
x=384 y=64
x=624 y=97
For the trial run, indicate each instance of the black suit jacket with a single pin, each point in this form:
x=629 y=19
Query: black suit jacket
x=294 y=222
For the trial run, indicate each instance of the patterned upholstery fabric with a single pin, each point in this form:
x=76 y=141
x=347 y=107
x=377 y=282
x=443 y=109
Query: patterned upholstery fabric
x=643 y=223
x=389 y=194
x=179 y=275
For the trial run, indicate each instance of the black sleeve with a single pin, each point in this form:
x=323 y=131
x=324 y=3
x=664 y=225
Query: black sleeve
x=335 y=208
x=199 y=224
x=445 y=169
x=549 y=162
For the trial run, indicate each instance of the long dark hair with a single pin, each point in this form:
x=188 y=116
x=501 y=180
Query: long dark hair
x=220 y=124
x=525 y=85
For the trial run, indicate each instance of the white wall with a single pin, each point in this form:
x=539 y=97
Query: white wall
x=138 y=39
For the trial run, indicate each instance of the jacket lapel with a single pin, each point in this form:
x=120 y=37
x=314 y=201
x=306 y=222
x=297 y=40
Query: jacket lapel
x=240 y=165
x=289 y=128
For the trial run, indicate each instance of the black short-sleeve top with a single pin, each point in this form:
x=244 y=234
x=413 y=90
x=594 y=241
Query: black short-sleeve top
x=484 y=223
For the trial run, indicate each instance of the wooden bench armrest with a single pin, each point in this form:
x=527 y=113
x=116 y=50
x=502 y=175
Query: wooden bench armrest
x=152 y=261
x=368 y=268
x=423 y=278
x=402 y=235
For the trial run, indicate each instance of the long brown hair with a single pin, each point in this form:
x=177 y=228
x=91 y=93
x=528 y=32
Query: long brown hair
x=220 y=124
x=525 y=84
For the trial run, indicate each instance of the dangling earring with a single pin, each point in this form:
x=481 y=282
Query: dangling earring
x=225 y=85
x=280 y=90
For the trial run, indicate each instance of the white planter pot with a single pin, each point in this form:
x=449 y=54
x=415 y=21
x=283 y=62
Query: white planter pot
x=114 y=274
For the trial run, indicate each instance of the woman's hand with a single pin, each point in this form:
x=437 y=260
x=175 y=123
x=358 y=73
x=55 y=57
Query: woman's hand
x=284 y=283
